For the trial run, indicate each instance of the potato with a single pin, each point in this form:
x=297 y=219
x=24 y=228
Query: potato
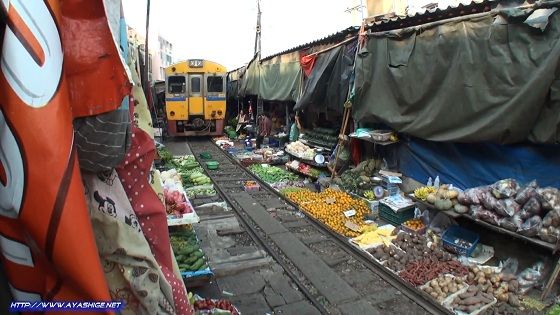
x=503 y=297
x=513 y=300
x=434 y=294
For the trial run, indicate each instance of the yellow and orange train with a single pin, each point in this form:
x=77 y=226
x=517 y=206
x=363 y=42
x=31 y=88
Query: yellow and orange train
x=195 y=98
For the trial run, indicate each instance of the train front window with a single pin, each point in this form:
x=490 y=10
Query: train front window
x=195 y=84
x=215 y=84
x=177 y=84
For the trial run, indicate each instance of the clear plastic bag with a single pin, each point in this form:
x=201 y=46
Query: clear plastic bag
x=505 y=188
x=489 y=201
x=441 y=222
x=472 y=196
x=552 y=218
x=531 y=227
x=507 y=207
x=424 y=216
x=532 y=206
x=530 y=277
x=509 y=266
x=527 y=192
x=549 y=234
x=511 y=223
x=549 y=198
x=479 y=212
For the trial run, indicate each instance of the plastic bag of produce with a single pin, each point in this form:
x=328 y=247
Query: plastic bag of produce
x=511 y=223
x=531 y=226
x=479 y=212
x=509 y=266
x=507 y=207
x=527 y=192
x=530 y=277
x=552 y=218
x=549 y=234
x=505 y=188
x=472 y=196
x=489 y=201
x=549 y=198
x=532 y=206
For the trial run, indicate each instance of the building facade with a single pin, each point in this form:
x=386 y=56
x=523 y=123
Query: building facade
x=161 y=53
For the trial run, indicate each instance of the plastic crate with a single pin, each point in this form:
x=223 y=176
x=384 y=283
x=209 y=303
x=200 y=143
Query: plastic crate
x=212 y=165
x=454 y=233
x=395 y=218
x=205 y=156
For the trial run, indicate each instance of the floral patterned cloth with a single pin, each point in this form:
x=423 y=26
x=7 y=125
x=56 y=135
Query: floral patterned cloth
x=134 y=173
x=130 y=268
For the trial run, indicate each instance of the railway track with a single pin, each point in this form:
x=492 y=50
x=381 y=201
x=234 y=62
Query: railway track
x=334 y=276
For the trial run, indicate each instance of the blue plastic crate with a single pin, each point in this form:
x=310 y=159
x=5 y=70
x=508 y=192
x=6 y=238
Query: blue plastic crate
x=454 y=233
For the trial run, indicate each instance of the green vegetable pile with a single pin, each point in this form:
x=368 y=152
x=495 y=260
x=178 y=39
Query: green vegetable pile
x=272 y=174
x=187 y=250
x=165 y=155
x=186 y=166
x=288 y=190
x=358 y=180
x=200 y=191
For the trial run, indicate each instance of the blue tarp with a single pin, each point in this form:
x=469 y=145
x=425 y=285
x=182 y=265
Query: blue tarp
x=471 y=165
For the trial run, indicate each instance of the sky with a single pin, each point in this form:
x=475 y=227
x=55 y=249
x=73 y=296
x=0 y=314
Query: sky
x=224 y=30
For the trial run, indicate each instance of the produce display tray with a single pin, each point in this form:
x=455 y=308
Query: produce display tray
x=306 y=161
x=188 y=218
x=316 y=145
x=299 y=172
x=449 y=300
x=370 y=139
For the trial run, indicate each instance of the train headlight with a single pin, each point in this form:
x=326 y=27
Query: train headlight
x=171 y=113
x=213 y=113
x=220 y=113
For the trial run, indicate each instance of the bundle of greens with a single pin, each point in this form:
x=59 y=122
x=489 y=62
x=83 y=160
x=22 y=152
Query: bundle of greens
x=272 y=174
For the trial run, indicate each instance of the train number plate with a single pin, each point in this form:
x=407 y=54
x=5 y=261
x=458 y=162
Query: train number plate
x=196 y=63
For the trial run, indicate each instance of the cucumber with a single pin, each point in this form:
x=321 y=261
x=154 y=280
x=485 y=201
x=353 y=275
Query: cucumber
x=197 y=254
x=204 y=266
x=191 y=260
x=197 y=264
x=187 y=250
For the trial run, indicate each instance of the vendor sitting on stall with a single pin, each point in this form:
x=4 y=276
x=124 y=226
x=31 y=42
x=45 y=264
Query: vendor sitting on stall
x=296 y=128
x=264 y=125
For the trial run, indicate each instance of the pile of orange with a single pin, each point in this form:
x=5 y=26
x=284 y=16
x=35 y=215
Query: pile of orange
x=414 y=224
x=329 y=207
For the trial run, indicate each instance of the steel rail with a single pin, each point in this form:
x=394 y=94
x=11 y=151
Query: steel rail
x=254 y=234
x=421 y=298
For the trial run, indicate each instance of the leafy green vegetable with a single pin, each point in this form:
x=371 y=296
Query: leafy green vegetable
x=165 y=155
x=272 y=174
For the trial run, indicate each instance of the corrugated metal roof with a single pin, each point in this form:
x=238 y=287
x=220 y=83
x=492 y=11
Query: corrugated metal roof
x=336 y=37
x=435 y=14
x=396 y=22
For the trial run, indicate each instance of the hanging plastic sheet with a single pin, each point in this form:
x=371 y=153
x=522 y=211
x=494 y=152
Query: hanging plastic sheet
x=484 y=78
x=327 y=86
x=280 y=78
x=472 y=165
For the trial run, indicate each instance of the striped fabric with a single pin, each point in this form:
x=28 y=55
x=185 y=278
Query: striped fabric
x=103 y=140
